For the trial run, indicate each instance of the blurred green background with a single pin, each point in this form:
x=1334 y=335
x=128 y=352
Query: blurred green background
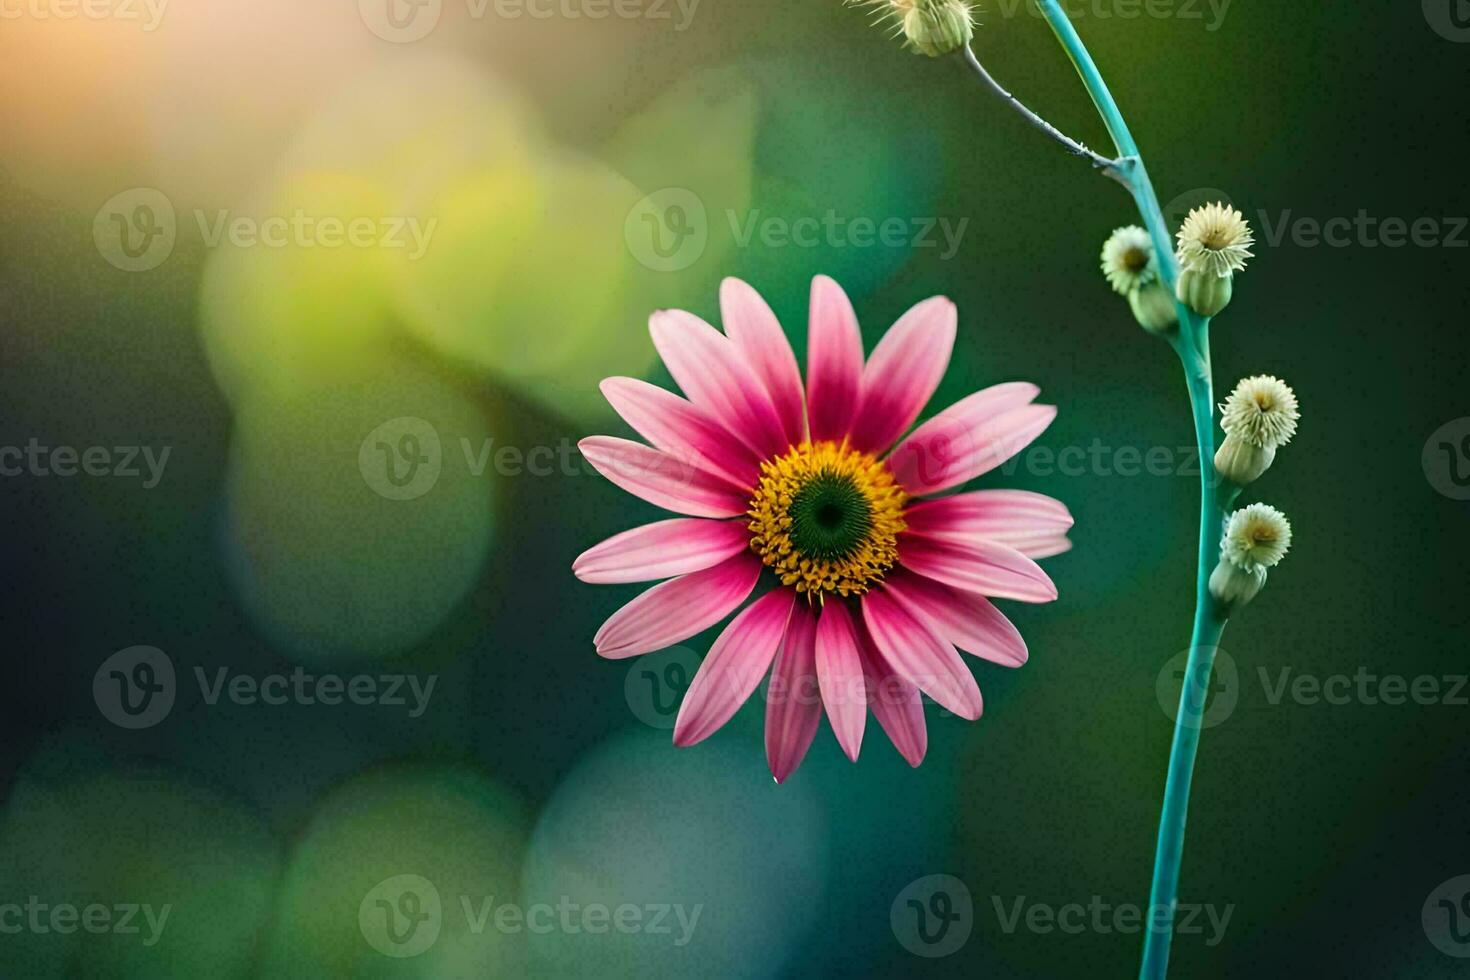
x=567 y=174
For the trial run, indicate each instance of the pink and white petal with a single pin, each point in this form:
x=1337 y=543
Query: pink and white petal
x=683 y=430
x=983 y=567
x=1033 y=524
x=896 y=703
x=794 y=707
x=733 y=668
x=1038 y=548
x=840 y=671
x=662 y=480
x=969 y=621
x=756 y=333
x=661 y=550
x=903 y=372
x=947 y=437
x=994 y=514
x=953 y=447
x=711 y=373
x=913 y=648
x=677 y=609
x=834 y=358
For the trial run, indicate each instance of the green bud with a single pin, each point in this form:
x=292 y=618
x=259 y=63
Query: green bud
x=1240 y=462
x=1204 y=292
x=1233 y=586
x=937 y=27
x=1153 y=308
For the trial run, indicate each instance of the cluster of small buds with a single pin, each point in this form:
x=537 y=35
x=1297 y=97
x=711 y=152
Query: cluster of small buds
x=1256 y=538
x=1259 y=417
x=1214 y=243
x=931 y=27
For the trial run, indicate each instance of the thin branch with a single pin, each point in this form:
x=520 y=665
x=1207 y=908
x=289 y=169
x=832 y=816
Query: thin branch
x=1112 y=168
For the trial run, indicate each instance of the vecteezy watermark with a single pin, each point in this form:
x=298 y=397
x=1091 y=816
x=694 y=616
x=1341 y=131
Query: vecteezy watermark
x=137 y=688
x=1211 y=13
x=669 y=230
x=932 y=916
x=64 y=918
x=1214 y=696
x=406 y=21
x=656 y=683
x=403 y=458
x=1101 y=917
x=1446 y=459
x=1210 y=682
x=402 y=916
x=1360 y=230
x=148 y=13
x=1449 y=18
x=126 y=462
x=1446 y=917
x=137 y=229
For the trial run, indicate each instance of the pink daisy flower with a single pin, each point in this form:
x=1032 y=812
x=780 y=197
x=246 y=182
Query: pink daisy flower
x=877 y=582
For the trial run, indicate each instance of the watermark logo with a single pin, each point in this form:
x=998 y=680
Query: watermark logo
x=401 y=459
x=1446 y=917
x=128 y=462
x=1446 y=459
x=401 y=916
x=933 y=916
x=1449 y=18
x=668 y=230
x=400 y=21
x=1179 y=207
x=1212 y=694
x=135 y=230
x=656 y=683
x=135 y=688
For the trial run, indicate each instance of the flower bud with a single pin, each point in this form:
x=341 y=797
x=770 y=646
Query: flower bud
x=1204 y=292
x=1235 y=586
x=1153 y=308
x=1256 y=538
x=1240 y=462
x=937 y=27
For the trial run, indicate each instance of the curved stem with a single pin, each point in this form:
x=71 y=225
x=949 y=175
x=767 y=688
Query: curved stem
x=1110 y=167
x=1192 y=344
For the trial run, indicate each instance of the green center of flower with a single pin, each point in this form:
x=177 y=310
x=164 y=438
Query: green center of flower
x=830 y=517
x=1135 y=260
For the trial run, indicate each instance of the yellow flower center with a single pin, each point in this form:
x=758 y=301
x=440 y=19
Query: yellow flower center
x=826 y=518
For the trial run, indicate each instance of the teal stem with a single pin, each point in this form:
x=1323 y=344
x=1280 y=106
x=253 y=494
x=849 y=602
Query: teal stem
x=1192 y=344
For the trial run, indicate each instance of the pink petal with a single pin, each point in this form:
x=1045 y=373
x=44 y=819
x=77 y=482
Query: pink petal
x=708 y=369
x=840 y=670
x=733 y=668
x=757 y=335
x=920 y=655
x=967 y=620
x=896 y=703
x=977 y=566
x=972 y=436
x=1038 y=548
x=903 y=372
x=661 y=550
x=680 y=429
x=834 y=358
x=1032 y=523
x=661 y=479
x=794 y=705
x=677 y=609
